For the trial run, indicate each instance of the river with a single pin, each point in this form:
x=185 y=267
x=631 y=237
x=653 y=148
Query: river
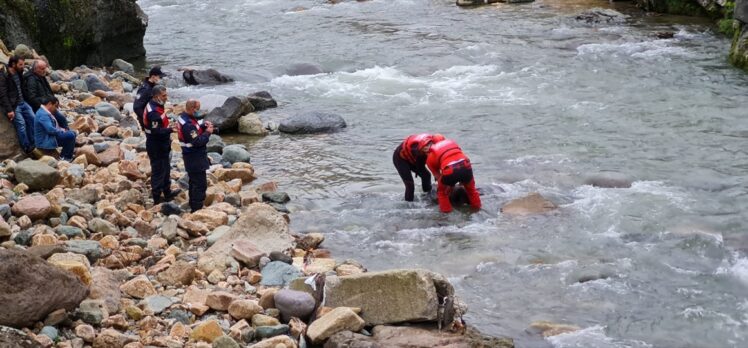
x=539 y=102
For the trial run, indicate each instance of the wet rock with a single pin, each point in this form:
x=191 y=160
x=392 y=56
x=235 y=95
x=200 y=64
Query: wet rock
x=95 y=84
x=279 y=274
x=139 y=287
x=227 y=116
x=36 y=207
x=37 y=175
x=276 y=197
x=299 y=69
x=246 y=175
x=123 y=66
x=251 y=125
x=293 y=303
x=261 y=224
x=236 y=153
x=601 y=16
x=244 y=309
x=412 y=295
x=262 y=100
x=12 y=338
x=312 y=122
x=178 y=274
x=339 y=319
x=93 y=311
x=528 y=205
x=271 y=331
x=205 y=77
x=608 y=180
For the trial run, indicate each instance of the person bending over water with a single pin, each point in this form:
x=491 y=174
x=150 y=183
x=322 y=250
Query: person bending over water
x=409 y=157
x=450 y=166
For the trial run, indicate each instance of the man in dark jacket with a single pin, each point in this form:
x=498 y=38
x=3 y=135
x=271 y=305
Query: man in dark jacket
x=13 y=104
x=145 y=93
x=37 y=86
x=158 y=145
x=194 y=134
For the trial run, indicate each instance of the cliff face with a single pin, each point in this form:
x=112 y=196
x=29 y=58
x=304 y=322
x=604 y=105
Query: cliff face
x=739 y=50
x=74 y=32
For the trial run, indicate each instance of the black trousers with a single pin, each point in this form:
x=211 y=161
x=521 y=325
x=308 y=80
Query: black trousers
x=198 y=186
x=160 y=157
x=404 y=169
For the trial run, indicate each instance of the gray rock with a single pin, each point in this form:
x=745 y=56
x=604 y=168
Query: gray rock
x=93 y=311
x=50 y=331
x=205 y=77
x=217 y=234
x=79 y=85
x=156 y=303
x=292 y=303
x=741 y=11
x=31 y=288
x=227 y=116
x=102 y=226
x=601 y=16
x=122 y=65
x=225 y=342
x=5 y=211
x=181 y=316
x=304 y=69
x=108 y=110
x=608 y=180
x=312 y=122
x=276 y=197
x=23 y=238
x=279 y=274
x=263 y=332
x=127 y=87
x=100 y=147
x=95 y=84
x=90 y=248
x=236 y=153
x=262 y=100
x=70 y=231
x=215 y=144
x=281 y=257
x=279 y=207
x=215 y=157
x=55 y=76
x=37 y=175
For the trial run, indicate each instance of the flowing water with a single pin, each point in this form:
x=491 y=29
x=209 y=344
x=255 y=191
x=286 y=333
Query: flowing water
x=538 y=102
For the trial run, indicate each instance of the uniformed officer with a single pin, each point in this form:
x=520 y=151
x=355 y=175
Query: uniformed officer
x=158 y=145
x=194 y=134
x=145 y=92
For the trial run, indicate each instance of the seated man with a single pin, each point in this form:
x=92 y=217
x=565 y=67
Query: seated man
x=51 y=130
x=36 y=84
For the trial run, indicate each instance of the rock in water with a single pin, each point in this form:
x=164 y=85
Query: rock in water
x=37 y=175
x=12 y=338
x=312 y=122
x=528 y=205
x=304 y=69
x=601 y=16
x=481 y=2
x=226 y=117
x=251 y=125
x=411 y=295
x=32 y=288
x=608 y=180
x=9 y=147
x=261 y=224
x=205 y=77
x=236 y=153
x=262 y=100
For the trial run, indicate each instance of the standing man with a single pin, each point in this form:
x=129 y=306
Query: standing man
x=158 y=145
x=13 y=105
x=51 y=130
x=37 y=86
x=409 y=157
x=194 y=134
x=145 y=92
x=450 y=166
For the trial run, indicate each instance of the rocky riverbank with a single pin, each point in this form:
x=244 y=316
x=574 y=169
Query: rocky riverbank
x=88 y=261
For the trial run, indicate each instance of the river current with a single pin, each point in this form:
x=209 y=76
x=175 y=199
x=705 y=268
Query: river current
x=539 y=102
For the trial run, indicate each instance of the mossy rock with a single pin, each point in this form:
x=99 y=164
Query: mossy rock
x=739 y=50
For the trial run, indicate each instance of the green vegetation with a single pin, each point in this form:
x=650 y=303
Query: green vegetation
x=739 y=50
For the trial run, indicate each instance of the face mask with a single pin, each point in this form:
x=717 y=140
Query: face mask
x=160 y=101
x=197 y=114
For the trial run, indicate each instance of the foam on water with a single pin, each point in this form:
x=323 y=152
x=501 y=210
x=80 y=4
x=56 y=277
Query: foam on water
x=643 y=49
x=593 y=337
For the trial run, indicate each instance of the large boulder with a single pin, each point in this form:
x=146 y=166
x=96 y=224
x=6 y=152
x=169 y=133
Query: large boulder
x=37 y=175
x=411 y=295
x=312 y=122
x=9 y=147
x=205 y=77
x=32 y=288
x=251 y=125
x=261 y=224
x=70 y=33
x=262 y=100
x=226 y=117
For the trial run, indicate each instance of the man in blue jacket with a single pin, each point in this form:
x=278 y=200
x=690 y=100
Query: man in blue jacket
x=51 y=130
x=194 y=134
x=158 y=145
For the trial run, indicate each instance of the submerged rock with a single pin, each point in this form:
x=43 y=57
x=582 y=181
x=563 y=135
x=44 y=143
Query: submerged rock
x=312 y=122
x=304 y=69
x=601 y=16
x=608 y=180
x=528 y=205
